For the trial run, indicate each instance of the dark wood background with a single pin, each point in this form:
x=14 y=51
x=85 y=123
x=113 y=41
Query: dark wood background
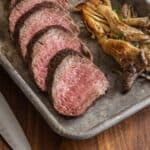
x=131 y=134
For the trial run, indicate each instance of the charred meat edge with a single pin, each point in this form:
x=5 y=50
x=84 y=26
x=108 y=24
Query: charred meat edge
x=39 y=34
x=12 y=5
x=24 y=17
x=55 y=62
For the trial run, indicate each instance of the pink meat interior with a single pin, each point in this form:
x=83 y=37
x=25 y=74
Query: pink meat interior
x=24 y=6
x=77 y=84
x=44 y=50
x=40 y=20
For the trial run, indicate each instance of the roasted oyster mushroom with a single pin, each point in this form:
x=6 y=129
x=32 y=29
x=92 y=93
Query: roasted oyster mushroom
x=141 y=22
x=132 y=60
x=115 y=24
x=117 y=37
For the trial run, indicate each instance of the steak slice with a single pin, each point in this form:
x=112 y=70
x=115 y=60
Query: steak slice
x=38 y=21
x=30 y=52
x=53 y=41
x=76 y=83
x=25 y=6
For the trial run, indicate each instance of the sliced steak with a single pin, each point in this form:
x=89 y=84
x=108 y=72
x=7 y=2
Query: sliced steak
x=25 y=6
x=76 y=83
x=53 y=41
x=38 y=21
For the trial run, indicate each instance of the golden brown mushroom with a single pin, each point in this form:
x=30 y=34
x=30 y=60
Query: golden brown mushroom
x=116 y=25
x=141 y=22
x=116 y=37
x=131 y=59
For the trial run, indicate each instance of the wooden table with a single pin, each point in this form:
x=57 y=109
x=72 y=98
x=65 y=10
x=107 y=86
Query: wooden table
x=131 y=134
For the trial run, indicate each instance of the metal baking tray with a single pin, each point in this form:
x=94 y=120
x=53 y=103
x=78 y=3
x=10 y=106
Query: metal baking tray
x=103 y=114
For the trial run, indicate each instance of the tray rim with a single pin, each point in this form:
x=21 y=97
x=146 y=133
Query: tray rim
x=50 y=119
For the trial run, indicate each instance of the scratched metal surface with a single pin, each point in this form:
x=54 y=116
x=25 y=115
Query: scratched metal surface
x=104 y=113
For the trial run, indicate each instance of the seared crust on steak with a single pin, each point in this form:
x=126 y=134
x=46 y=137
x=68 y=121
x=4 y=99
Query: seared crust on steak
x=76 y=84
x=36 y=37
x=53 y=41
x=24 y=17
x=55 y=62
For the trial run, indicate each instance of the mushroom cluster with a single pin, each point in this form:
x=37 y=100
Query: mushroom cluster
x=122 y=35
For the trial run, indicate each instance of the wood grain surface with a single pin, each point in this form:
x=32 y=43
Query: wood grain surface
x=131 y=134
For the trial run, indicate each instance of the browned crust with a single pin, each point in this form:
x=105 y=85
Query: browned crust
x=24 y=17
x=55 y=62
x=37 y=36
